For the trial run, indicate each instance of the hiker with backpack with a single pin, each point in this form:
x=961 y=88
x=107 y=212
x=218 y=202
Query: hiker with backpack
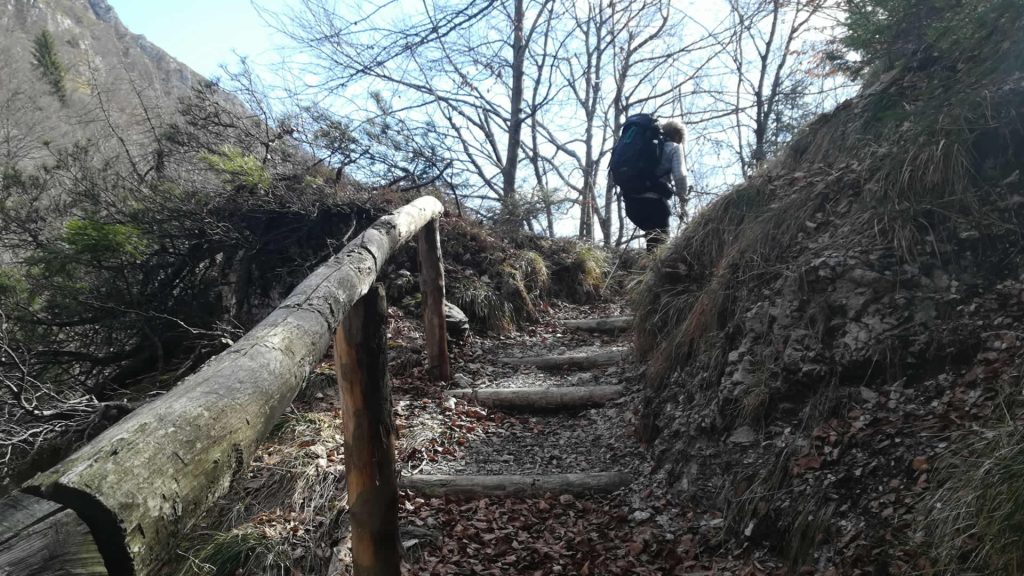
x=648 y=166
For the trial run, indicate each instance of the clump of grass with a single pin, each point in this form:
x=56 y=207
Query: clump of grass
x=238 y=168
x=248 y=549
x=534 y=272
x=291 y=501
x=592 y=263
x=484 y=306
x=514 y=291
x=976 y=519
x=581 y=272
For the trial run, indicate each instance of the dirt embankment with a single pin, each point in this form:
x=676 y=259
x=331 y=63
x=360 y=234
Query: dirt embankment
x=836 y=346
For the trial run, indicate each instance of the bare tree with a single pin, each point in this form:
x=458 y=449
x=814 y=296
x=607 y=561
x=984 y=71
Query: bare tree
x=772 y=92
x=618 y=58
x=460 y=67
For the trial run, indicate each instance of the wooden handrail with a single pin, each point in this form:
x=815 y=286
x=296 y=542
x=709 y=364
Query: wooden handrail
x=141 y=484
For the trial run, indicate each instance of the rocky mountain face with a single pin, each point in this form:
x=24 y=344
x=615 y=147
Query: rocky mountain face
x=115 y=80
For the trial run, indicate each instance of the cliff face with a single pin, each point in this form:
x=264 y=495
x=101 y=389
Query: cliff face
x=90 y=33
x=120 y=88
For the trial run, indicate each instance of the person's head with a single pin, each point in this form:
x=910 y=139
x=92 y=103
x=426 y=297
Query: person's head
x=674 y=131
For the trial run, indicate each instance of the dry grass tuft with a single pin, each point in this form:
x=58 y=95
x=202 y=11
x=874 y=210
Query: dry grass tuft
x=977 y=517
x=482 y=303
x=534 y=272
x=244 y=550
x=287 y=513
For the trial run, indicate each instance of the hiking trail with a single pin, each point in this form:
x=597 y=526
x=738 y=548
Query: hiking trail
x=532 y=464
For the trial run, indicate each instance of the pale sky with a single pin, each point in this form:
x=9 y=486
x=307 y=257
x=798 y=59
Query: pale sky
x=203 y=33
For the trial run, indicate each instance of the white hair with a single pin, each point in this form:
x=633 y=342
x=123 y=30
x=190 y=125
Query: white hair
x=673 y=128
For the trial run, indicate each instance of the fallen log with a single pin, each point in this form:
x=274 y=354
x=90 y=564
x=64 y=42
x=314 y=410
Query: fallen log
x=516 y=486
x=570 y=361
x=141 y=484
x=41 y=537
x=567 y=398
x=611 y=324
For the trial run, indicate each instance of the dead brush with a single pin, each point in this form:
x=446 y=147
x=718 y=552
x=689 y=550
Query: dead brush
x=287 y=514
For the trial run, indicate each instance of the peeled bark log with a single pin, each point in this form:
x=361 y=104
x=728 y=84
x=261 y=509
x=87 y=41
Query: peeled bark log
x=143 y=482
x=571 y=361
x=40 y=537
x=568 y=398
x=611 y=324
x=516 y=486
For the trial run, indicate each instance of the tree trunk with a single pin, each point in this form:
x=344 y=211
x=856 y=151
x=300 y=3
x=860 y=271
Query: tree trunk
x=361 y=363
x=566 y=398
x=516 y=486
x=515 y=124
x=146 y=480
x=574 y=361
x=611 y=324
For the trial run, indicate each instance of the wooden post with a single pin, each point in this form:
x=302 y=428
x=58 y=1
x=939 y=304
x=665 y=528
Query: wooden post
x=360 y=355
x=432 y=286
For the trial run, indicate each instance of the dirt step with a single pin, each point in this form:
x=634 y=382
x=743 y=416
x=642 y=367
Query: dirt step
x=565 y=398
x=510 y=486
x=571 y=361
x=611 y=324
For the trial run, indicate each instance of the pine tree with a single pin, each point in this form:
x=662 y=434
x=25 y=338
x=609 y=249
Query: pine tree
x=44 y=54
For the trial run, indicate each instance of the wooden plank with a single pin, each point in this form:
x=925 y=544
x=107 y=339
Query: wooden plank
x=610 y=324
x=41 y=537
x=20 y=511
x=566 y=398
x=516 y=486
x=143 y=483
x=362 y=368
x=432 y=285
x=571 y=361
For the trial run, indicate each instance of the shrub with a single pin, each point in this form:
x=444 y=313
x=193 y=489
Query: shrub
x=238 y=168
x=100 y=241
x=46 y=59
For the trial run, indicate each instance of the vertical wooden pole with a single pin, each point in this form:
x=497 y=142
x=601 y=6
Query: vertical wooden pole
x=432 y=286
x=360 y=355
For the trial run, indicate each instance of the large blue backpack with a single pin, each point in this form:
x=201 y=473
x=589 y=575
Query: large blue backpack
x=636 y=155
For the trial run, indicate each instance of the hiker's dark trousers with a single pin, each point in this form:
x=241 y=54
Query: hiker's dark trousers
x=650 y=214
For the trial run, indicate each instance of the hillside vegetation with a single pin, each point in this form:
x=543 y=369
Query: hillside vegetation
x=835 y=346
x=152 y=219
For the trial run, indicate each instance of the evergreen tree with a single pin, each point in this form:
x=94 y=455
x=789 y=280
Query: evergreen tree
x=44 y=54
